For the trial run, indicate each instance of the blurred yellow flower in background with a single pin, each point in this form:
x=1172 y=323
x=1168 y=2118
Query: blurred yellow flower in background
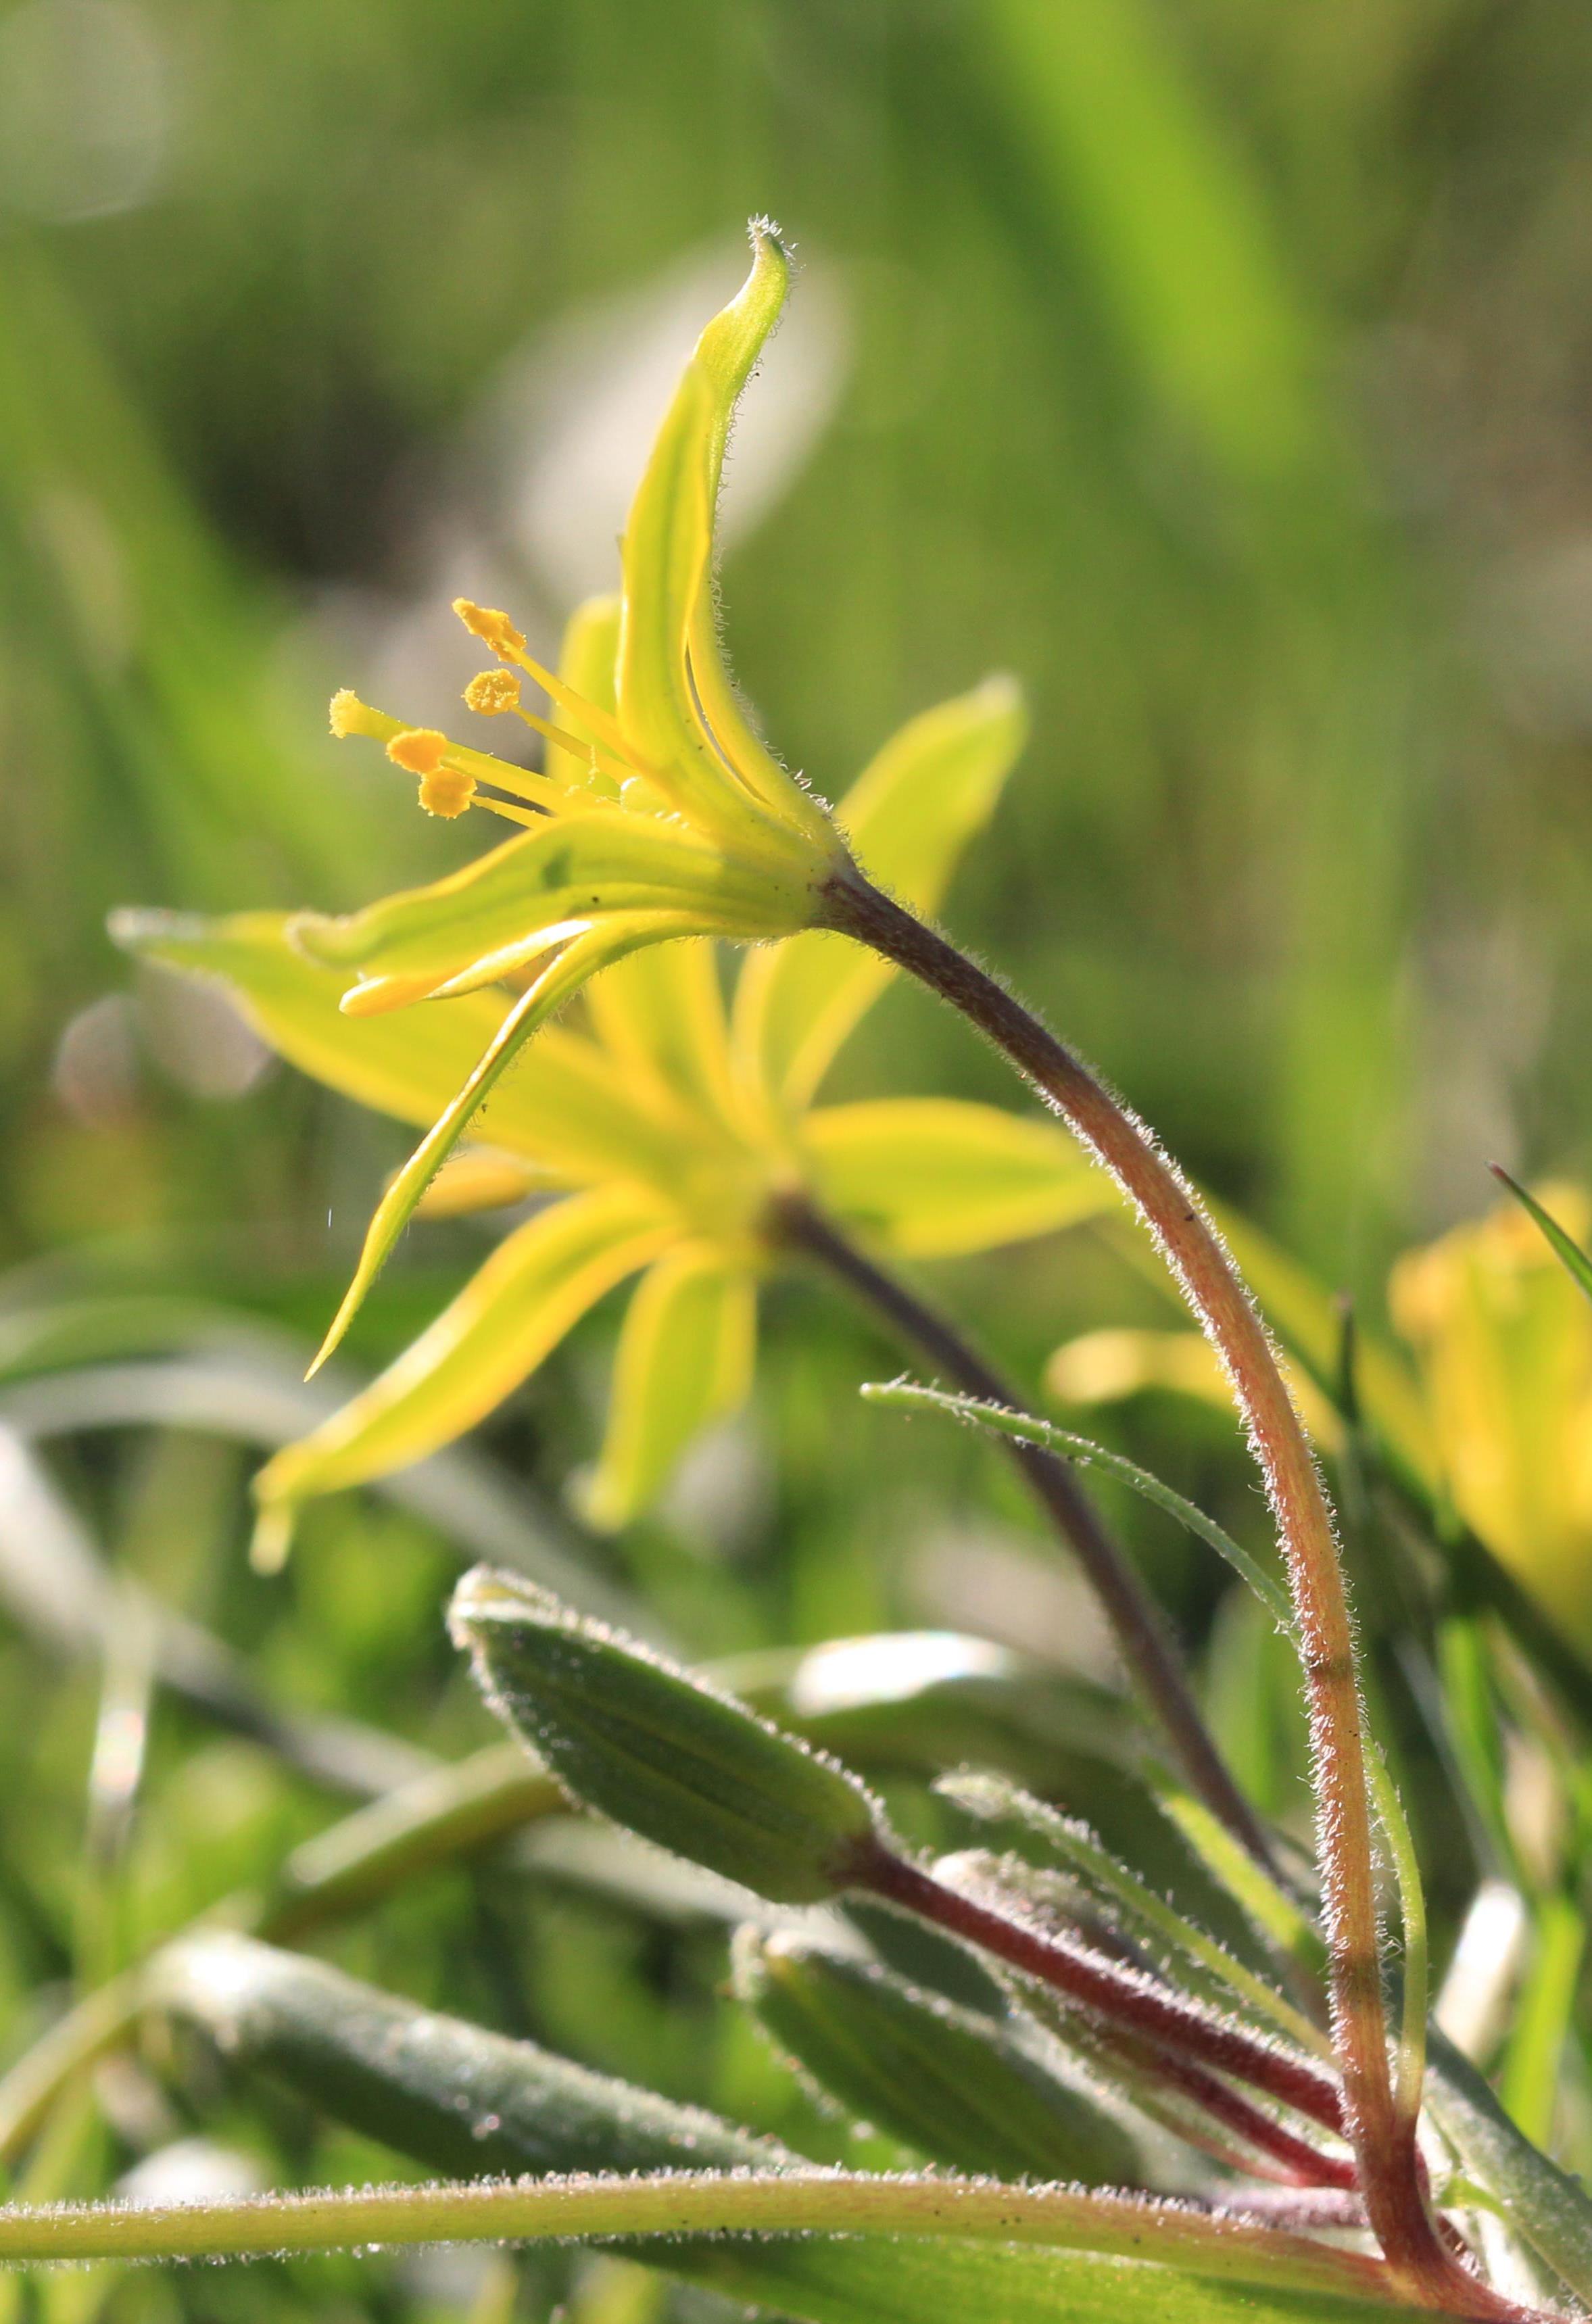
x=1503 y=1345
x=1487 y=1403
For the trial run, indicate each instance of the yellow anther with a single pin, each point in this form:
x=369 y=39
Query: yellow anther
x=350 y=715
x=446 y=791
x=494 y=630
x=492 y=692
x=418 y=750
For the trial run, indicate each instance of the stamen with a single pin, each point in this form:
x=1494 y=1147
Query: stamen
x=529 y=819
x=492 y=692
x=350 y=715
x=446 y=791
x=497 y=630
x=449 y=773
x=493 y=629
x=418 y=750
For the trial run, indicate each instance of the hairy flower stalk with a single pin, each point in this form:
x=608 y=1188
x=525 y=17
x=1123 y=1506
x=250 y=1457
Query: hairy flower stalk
x=1151 y=1659
x=1383 y=2142
x=1122 y=1998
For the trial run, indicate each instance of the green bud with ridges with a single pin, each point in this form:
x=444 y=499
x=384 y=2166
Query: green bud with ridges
x=960 y=2088
x=926 y=1956
x=654 y=1750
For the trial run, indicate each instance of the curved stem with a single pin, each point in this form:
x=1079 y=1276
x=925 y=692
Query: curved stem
x=694 y=2203
x=1152 y=1662
x=1384 y=2144
x=1121 y=1996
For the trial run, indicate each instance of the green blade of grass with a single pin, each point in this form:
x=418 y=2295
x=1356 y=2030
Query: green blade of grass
x=910 y=1396
x=1565 y=1248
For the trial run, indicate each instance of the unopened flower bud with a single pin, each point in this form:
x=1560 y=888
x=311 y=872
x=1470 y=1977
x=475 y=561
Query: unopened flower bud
x=650 y=1748
x=964 y=2089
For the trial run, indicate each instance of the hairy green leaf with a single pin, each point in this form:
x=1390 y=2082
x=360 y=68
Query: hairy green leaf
x=909 y=1396
x=992 y=1799
x=471 y=2103
x=1543 y=2204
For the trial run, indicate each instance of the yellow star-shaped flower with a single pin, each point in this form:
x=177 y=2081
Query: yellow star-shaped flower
x=658 y=814
x=668 y=1133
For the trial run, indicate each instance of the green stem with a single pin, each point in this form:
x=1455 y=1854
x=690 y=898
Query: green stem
x=1384 y=2143
x=694 y=2203
x=1410 y=2087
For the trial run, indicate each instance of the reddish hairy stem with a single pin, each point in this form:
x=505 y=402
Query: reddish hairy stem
x=1384 y=2145
x=1152 y=1660
x=1299 y=2164
x=1124 y=1998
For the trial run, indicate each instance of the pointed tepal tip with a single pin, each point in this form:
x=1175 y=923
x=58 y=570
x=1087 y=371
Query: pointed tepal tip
x=273 y=1537
x=341 y=1321
x=773 y=258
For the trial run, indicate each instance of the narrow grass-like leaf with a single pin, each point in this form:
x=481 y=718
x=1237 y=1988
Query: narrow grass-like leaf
x=1267 y=1905
x=909 y=1396
x=992 y=1799
x=1574 y=1260
x=1411 y=2081
x=838 y=2248
x=1545 y=2016
x=437 y=1819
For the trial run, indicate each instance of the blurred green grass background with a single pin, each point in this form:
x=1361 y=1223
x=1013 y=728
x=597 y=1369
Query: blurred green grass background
x=1220 y=369
x=1224 y=370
